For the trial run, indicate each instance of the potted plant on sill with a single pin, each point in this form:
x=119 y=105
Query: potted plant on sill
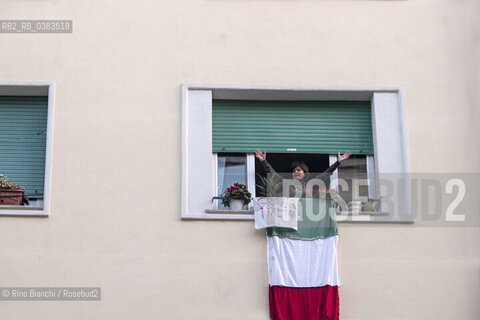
x=11 y=194
x=269 y=186
x=236 y=197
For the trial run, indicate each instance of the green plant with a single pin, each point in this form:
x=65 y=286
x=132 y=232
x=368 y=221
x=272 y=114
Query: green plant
x=6 y=184
x=269 y=186
x=236 y=192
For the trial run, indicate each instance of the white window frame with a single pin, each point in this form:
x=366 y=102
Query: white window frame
x=198 y=160
x=34 y=89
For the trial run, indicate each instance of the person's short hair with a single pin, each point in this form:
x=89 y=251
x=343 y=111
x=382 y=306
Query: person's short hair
x=299 y=164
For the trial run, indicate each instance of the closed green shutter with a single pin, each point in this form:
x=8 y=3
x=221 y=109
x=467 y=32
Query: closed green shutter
x=23 y=131
x=292 y=126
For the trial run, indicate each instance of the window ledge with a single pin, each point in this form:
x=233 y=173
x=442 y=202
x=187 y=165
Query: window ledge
x=221 y=216
x=369 y=213
x=23 y=211
x=342 y=216
x=210 y=211
x=369 y=217
x=3 y=207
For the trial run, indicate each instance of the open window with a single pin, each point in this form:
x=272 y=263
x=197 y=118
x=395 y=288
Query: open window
x=233 y=167
x=281 y=163
x=222 y=126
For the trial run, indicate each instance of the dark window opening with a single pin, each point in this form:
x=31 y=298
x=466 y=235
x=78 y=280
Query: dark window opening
x=281 y=162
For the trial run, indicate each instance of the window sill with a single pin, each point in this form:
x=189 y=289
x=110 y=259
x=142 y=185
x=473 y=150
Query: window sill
x=23 y=211
x=368 y=213
x=342 y=216
x=210 y=211
x=369 y=216
x=212 y=214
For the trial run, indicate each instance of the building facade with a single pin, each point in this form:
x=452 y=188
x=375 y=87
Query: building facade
x=129 y=170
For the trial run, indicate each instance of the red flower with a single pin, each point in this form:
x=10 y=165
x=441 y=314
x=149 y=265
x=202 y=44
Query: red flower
x=245 y=187
x=235 y=184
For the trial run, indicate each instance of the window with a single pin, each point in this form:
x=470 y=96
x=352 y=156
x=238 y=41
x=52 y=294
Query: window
x=356 y=167
x=26 y=113
x=306 y=131
x=380 y=148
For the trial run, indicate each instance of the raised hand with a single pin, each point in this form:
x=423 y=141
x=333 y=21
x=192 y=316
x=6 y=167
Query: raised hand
x=345 y=156
x=261 y=156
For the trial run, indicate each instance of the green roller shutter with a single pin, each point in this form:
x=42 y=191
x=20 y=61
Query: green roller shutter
x=292 y=126
x=23 y=127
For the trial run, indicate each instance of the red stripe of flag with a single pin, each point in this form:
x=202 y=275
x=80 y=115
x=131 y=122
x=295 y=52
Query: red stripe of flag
x=313 y=303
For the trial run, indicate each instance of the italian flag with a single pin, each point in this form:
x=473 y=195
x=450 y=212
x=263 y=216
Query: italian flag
x=302 y=270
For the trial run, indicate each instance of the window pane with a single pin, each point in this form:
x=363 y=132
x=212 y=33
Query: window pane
x=231 y=168
x=353 y=168
x=23 y=140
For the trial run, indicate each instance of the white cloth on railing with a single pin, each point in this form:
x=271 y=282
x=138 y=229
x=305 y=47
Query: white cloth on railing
x=275 y=212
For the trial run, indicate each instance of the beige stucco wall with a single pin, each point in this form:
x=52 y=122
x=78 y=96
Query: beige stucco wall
x=115 y=210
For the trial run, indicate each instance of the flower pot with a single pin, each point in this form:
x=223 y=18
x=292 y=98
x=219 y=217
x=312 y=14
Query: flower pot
x=236 y=205
x=9 y=197
x=355 y=206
